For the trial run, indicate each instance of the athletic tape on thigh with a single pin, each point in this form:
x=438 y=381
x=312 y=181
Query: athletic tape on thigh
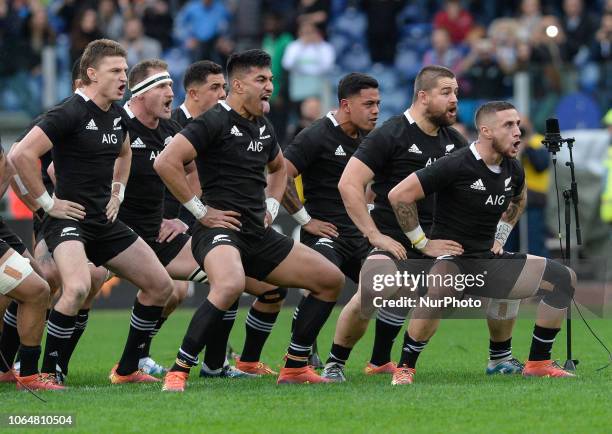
x=273 y=296
x=198 y=275
x=500 y=308
x=13 y=271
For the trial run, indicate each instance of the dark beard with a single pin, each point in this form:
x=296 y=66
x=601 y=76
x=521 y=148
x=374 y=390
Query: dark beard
x=439 y=119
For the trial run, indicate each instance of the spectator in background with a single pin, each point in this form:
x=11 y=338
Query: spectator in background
x=313 y=11
x=310 y=111
x=442 y=51
x=579 y=28
x=529 y=18
x=157 y=21
x=39 y=35
x=455 y=19
x=200 y=24
x=601 y=50
x=84 y=30
x=66 y=11
x=535 y=160
x=275 y=41
x=110 y=21
x=309 y=60
x=503 y=33
x=483 y=72
x=138 y=46
x=246 y=26
x=382 y=30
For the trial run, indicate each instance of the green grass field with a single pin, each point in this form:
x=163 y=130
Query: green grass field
x=452 y=394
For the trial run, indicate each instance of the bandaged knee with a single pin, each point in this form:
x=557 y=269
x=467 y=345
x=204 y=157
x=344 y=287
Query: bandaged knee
x=13 y=271
x=500 y=308
x=560 y=277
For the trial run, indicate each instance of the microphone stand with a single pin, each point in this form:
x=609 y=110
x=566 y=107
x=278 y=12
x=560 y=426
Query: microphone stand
x=570 y=197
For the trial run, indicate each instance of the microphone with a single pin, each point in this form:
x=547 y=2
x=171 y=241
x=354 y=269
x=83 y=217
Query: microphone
x=552 y=137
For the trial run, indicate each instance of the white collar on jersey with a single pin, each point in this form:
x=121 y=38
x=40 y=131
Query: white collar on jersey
x=130 y=113
x=495 y=168
x=409 y=117
x=81 y=94
x=331 y=117
x=186 y=111
x=475 y=151
x=225 y=105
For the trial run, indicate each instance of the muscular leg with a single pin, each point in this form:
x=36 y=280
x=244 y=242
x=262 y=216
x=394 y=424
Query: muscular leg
x=139 y=265
x=305 y=268
x=72 y=265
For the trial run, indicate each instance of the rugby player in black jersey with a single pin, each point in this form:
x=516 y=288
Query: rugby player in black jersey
x=204 y=86
x=44 y=259
x=388 y=154
x=91 y=154
x=20 y=283
x=480 y=193
x=320 y=153
x=233 y=144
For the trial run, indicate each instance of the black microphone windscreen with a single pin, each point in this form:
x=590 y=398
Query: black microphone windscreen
x=552 y=126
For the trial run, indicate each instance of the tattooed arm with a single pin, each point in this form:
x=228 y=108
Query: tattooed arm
x=509 y=219
x=403 y=198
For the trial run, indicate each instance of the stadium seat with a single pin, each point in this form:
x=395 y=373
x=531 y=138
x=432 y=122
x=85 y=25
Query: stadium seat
x=578 y=111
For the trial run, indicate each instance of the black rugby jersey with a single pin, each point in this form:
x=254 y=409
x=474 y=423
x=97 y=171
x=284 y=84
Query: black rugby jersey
x=394 y=151
x=45 y=159
x=471 y=198
x=320 y=153
x=143 y=204
x=86 y=142
x=171 y=205
x=232 y=156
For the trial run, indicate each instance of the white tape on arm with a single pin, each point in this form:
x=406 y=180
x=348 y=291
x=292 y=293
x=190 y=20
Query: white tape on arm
x=121 y=193
x=417 y=237
x=301 y=217
x=503 y=232
x=272 y=205
x=45 y=201
x=196 y=207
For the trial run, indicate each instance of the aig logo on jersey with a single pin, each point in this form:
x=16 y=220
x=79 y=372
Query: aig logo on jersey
x=495 y=199
x=255 y=146
x=109 y=138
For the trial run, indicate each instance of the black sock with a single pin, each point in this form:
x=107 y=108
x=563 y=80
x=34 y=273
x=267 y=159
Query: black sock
x=542 y=342
x=142 y=322
x=500 y=350
x=59 y=330
x=9 y=341
x=311 y=317
x=201 y=328
x=29 y=360
x=146 y=351
x=258 y=327
x=79 y=328
x=411 y=351
x=338 y=354
x=214 y=355
x=388 y=325
x=296 y=312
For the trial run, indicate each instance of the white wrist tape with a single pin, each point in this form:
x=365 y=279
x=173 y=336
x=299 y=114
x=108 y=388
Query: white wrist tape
x=302 y=216
x=272 y=205
x=45 y=201
x=121 y=193
x=503 y=232
x=417 y=237
x=22 y=188
x=196 y=207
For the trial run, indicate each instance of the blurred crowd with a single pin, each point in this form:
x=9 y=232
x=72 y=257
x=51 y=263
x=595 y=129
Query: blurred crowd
x=564 y=45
